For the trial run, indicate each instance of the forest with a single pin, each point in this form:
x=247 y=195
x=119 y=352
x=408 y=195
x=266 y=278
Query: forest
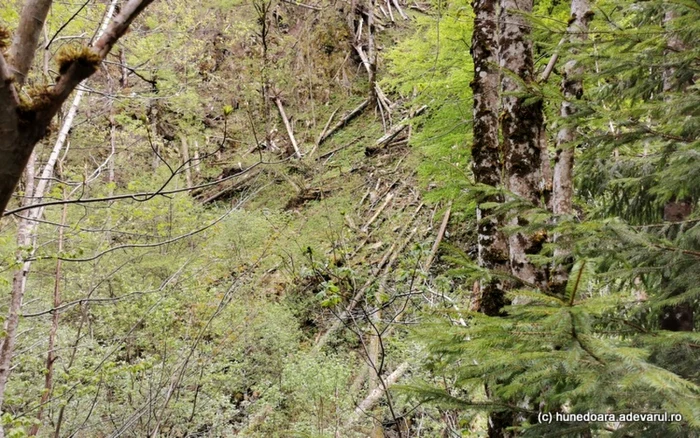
x=349 y=218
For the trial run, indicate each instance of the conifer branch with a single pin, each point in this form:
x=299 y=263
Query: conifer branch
x=578 y=340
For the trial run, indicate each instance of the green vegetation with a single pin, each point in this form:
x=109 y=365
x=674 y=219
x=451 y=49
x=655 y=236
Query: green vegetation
x=190 y=276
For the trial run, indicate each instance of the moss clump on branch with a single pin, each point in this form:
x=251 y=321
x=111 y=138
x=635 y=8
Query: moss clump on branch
x=81 y=56
x=36 y=99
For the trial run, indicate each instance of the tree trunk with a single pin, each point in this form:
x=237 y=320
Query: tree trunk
x=25 y=230
x=371 y=51
x=288 y=126
x=184 y=151
x=374 y=359
x=51 y=355
x=680 y=317
x=24 y=126
x=487 y=165
x=563 y=189
x=522 y=124
x=18 y=283
x=487 y=161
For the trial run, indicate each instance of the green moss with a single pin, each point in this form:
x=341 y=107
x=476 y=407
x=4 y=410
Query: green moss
x=83 y=57
x=35 y=98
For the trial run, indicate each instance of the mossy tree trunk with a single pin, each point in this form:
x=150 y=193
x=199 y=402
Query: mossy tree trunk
x=487 y=165
x=522 y=123
x=486 y=155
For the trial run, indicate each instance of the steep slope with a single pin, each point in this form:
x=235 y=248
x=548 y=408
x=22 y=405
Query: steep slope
x=205 y=280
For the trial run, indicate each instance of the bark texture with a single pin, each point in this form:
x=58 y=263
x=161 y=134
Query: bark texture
x=487 y=165
x=486 y=154
x=572 y=89
x=522 y=123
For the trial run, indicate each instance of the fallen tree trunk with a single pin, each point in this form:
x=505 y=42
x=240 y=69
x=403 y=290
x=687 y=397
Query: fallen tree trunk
x=288 y=125
x=325 y=128
x=382 y=269
x=344 y=121
x=376 y=395
x=398 y=8
x=340 y=148
x=438 y=240
x=233 y=188
x=394 y=131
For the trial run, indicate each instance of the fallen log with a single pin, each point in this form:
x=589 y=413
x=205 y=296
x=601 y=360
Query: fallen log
x=340 y=148
x=312 y=7
x=394 y=131
x=344 y=121
x=287 y=125
x=238 y=185
x=398 y=8
x=381 y=269
x=328 y=123
x=441 y=234
x=373 y=398
x=391 y=15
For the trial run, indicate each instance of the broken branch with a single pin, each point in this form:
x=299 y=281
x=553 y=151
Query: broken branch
x=287 y=125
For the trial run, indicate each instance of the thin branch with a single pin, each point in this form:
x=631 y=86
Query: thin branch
x=60 y=29
x=142 y=196
x=142 y=245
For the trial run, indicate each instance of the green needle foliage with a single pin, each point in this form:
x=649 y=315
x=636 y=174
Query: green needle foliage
x=604 y=345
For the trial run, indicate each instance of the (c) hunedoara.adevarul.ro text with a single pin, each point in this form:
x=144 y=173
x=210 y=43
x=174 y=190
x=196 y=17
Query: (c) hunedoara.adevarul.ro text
x=649 y=417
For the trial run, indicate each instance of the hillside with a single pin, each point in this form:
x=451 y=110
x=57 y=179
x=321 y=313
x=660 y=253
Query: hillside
x=213 y=311
x=349 y=219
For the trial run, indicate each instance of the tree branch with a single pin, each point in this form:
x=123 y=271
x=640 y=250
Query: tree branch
x=26 y=39
x=21 y=132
